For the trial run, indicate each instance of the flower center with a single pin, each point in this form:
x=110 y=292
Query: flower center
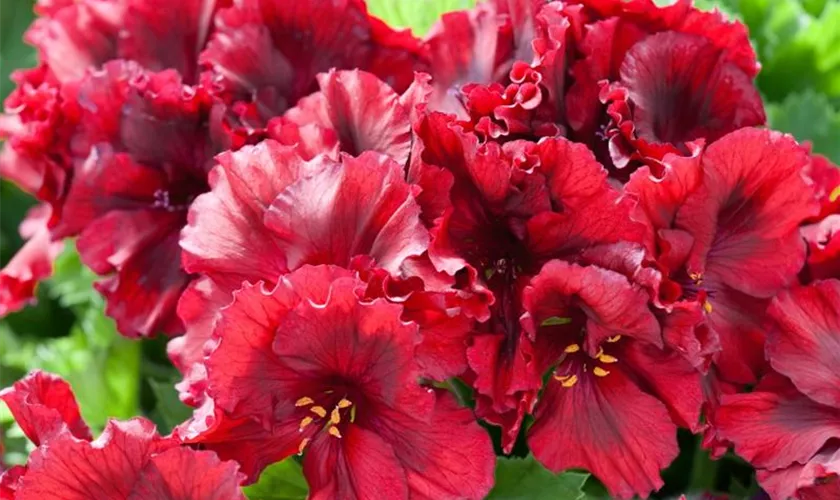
x=575 y=363
x=317 y=418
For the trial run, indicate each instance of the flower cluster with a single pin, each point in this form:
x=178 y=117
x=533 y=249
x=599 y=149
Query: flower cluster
x=572 y=207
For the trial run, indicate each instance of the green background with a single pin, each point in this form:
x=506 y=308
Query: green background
x=66 y=333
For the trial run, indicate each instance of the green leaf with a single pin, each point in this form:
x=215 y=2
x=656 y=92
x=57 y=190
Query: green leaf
x=418 y=15
x=281 y=481
x=556 y=321
x=169 y=410
x=809 y=116
x=525 y=478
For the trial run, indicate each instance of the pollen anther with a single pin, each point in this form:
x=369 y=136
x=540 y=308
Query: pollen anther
x=335 y=416
x=606 y=358
x=305 y=422
x=302 y=445
x=708 y=307
x=333 y=431
x=319 y=410
x=567 y=380
x=571 y=348
x=613 y=339
x=600 y=372
x=304 y=401
x=344 y=403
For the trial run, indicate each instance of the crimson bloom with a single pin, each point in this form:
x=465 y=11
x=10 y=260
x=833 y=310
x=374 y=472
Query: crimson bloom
x=128 y=461
x=509 y=210
x=318 y=211
x=788 y=426
x=264 y=55
x=667 y=75
x=726 y=235
x=616 y=395
x=336 y=380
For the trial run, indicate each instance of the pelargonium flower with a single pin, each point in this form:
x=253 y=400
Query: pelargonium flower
x=789 y=425
x=509 y=210
x=822 y=233
x=333 y=377
x=144 y=155
x=615 y=395
x=265 y=54
x=128 y=461
x=270 y=212
x=724 y=231
x=673 y=75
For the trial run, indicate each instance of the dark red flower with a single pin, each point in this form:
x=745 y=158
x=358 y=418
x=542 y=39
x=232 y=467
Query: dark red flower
x=129 y=461
x=265 y=54
x=788 y=426
x=615 y=396
x=334 y=377
x=730 y=239
x=657 y=101
x=32 y=263
x=509 y=210
x=270 y=211
x=144 y=150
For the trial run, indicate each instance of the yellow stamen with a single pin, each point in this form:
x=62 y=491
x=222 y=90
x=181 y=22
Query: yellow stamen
x=600 y=372
x=335 y=416
x=302 y=445
x=614 y=339
x=599 y=353
x=567 y=380
x=344 y=403
x=606 y=358
x=834 y=195
x=319 y=410
x=334 y=432
x=304 y=401
x=352 y=414
x=571 y=348
x=707 y=306
x=306 y=421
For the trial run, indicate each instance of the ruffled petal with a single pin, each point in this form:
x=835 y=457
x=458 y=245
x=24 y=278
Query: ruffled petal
x=44 y=407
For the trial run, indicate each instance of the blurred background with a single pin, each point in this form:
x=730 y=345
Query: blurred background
x=798 y=44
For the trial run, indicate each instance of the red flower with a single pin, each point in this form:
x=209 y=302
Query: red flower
x=265 y=54
x=270 y=212
x=334 y=377
x=128 y=461
x=31 y=264
x=146 y=150
x=727 y=236
x=509 y=210
x=787 y=427
x=658 y=101
x=615 y=394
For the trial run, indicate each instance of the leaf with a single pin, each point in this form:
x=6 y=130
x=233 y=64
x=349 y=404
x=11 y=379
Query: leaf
x=809 y=116
x=525 y=478
x=556 y=321
x=418 y=15
x=13 y=52
x=72 y=282
x=281 y=481
x=169 y=410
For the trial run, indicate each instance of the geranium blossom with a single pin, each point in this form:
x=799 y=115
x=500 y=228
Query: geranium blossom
x=338 y=384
